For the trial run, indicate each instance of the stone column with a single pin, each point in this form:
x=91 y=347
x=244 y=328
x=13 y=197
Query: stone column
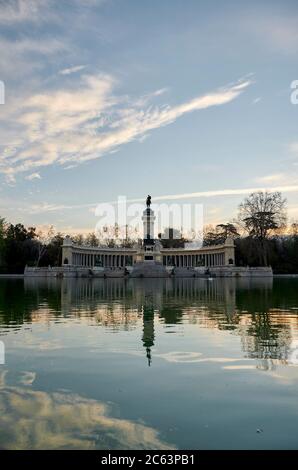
x=67 y=250
x=229 y=252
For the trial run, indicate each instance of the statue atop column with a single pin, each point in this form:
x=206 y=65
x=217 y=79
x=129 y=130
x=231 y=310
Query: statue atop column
x=148 y=201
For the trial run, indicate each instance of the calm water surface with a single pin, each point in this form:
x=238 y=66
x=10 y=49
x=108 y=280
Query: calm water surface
x=154 y=364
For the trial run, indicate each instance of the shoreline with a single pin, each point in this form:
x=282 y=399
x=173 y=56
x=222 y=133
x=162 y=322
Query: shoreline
x=22 y=276
x=286 y=275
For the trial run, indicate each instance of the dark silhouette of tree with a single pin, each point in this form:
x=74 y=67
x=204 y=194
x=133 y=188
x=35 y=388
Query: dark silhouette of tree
x=218 y=235
x=172 y=238
x=228 y=230
x=261 y=214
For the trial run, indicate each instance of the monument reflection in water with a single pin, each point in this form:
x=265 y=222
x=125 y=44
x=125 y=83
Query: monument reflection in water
x=221 y=357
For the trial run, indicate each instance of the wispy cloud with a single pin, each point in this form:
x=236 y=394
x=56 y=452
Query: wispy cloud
x=83 y=122
x=71 y=70
x=48 y=207
x=294 y=147
x=33 y=176
x=276 y=31
x=272 y=178
x=32 y=11
x=16 y=11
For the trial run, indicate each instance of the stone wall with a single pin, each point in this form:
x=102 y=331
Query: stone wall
x=147 y=271
x=236 y=271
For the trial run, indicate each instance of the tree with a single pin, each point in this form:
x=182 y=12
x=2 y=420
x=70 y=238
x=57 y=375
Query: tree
x=218 y=235
x=114 y=235
x=294 y=229
x=44 y=239
x=261 y=214
x=20 y=247
x=211 y=236
x=172 y=238
x=91 y=239
x=2 y=240
x=53 y=254
x=78 y=239
x=228 y=230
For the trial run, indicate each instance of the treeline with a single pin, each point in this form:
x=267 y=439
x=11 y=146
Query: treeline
x=281 y=249
x=21 y=246
x=261 y=235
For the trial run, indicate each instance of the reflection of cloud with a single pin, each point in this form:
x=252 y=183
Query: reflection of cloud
x=240 y=367
x=195 y=357
x=180 y=356
x=41 y=344
x=2 y=377
x=39 y=420
x=27 y=378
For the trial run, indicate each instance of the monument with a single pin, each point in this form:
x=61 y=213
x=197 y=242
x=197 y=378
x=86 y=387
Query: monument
x=148 y=259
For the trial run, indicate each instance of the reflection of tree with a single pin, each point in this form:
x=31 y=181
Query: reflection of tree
x=265 y=318
x=171 y=314
x=266 y=337
x=17 y=304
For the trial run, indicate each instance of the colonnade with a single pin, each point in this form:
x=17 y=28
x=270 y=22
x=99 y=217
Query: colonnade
x=104 y=260
x=77 y=256
x=187 y=260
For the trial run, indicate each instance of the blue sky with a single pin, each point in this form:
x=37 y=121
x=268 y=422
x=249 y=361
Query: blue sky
x=112 y=97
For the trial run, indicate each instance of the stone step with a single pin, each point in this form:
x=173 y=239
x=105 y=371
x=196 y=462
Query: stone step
x=185 y=272
x=151 y=269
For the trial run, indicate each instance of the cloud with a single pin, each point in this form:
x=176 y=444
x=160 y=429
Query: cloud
x=71 y=70
x=91 y=206
x=32 y=11
x=33 y=176
x=88 y=119
x=273 y=178
x=16 y=11
x=226 y=192
x=278 y=32
x=23 y=46
x=294 y=147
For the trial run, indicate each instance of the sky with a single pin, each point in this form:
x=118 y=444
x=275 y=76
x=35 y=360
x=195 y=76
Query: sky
x=186 y=100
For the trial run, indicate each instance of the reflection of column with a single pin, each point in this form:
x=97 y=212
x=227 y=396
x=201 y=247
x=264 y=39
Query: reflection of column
x=148 y=330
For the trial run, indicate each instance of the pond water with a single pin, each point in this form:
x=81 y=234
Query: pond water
x=149 y=364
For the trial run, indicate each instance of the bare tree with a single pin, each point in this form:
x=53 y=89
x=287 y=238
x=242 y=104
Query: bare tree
x=114 y=235
x=261 y=215
x=78 y=239
x=294 y=229
x=91 y=239
x=44 y=238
